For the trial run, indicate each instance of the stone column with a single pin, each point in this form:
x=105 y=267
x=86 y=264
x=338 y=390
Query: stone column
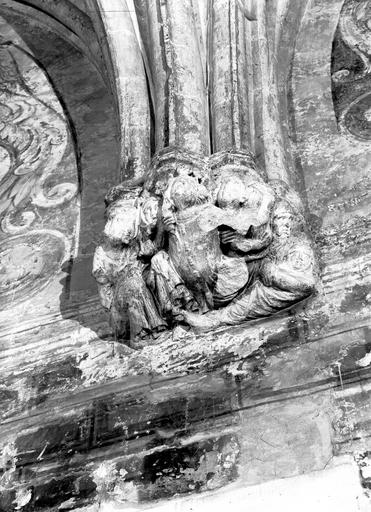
x=244 y=37
x=173 y=43
x=228 y=77
x=131 y=86
x=265 y=37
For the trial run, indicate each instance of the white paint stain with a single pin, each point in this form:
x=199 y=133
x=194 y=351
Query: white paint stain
x=40 y=456
x=365 y=361
x=104 y=476
x=8 y=460
x=22 y=497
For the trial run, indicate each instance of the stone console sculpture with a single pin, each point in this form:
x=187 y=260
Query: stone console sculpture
x=202 y=242
x=204 y=237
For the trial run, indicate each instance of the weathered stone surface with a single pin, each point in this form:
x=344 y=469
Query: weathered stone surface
x=336 y=488
x=90 y=422
x=204 y=243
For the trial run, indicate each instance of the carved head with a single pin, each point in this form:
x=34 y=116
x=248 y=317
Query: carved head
x=285 y=222
x=122 y=222
x=148 y=214
x=284 y=191
x=261 y=199
x=232 y=193
x=186 y=191
x=246 y=193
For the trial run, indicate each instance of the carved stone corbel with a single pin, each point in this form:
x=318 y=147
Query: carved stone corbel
x=203 y=242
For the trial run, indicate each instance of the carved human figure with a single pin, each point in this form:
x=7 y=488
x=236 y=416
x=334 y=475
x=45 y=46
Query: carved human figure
x=209 y=262
x=119 y=266
x=193 y=253
x=255 y=201
x=213 y=269
x=284 y=277
x=218 y=256
x=289 y=265
x=247 y=205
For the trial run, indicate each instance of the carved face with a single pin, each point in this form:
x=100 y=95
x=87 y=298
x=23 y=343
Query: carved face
x=148 y=217
x=232 y=193
x=186 y=191
x=286 y=193
x=283 y=221
x=122 y=222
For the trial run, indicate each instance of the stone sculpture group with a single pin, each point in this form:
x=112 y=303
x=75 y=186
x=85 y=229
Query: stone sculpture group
x=201 y=242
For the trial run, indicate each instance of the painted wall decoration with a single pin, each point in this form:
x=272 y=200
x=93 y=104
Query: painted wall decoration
x=351 y=70
x=38 y=178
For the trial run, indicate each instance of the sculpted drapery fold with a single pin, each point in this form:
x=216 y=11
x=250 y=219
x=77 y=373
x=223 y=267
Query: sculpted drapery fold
x=205 y=237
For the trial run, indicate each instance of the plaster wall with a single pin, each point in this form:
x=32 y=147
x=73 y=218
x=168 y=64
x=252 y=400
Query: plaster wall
x=89 y=423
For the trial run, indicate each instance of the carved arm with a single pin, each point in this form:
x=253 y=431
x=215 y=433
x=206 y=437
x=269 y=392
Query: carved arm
x=147 y=249
x=261 y=238
x=102 y=273
x=294 y=274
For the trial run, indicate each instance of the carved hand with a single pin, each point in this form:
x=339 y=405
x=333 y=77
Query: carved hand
x=242 y=244
x=105 y=292
x=228 y=236
x=238 y=242
x=147 y=249
x=169 y=222
x=258 y=244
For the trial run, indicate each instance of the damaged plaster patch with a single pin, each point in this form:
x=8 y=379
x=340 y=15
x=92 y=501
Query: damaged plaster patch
x=104 y=477
x=22 y=498
x=200 y=466
x=111 y=485
x=68 y=504
x=179 y=352
x=83 y=335
x=8 y=461
x=205 y=464
x=125 y=492
x=364 y=464
x=336 y=489
x=365 y=361
x=356 y=298
x=103 y=361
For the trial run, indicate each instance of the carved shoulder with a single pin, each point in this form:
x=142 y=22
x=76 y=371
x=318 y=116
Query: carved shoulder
x=301 y=256
x=103 y=265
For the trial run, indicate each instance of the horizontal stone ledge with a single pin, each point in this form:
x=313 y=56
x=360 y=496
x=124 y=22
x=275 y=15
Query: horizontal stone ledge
x=174 y=397
x=264 y=358
x=175 y=352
